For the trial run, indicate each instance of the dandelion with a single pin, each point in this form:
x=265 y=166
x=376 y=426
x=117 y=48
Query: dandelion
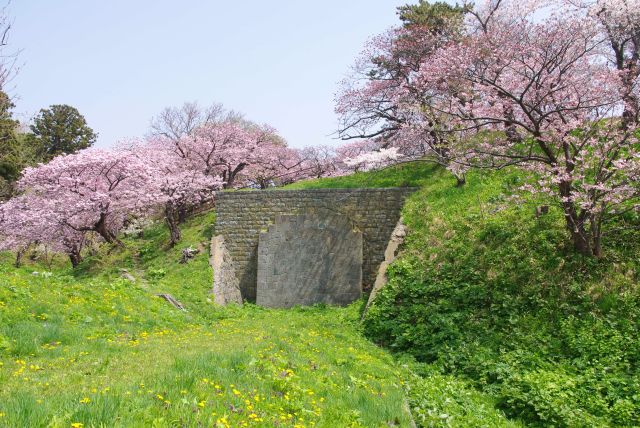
x=77 y=425
x=85 y=400
x=222 y=422
x=2 y=414
x=202 y=403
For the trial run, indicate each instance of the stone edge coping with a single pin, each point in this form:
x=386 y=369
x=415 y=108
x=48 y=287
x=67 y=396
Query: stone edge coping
x=241 y=193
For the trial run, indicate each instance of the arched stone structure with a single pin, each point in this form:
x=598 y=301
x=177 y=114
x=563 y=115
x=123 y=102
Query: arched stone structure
x=243 y=216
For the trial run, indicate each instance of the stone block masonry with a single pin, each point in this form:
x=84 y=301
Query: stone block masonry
x=242 y=216
x=306 y=259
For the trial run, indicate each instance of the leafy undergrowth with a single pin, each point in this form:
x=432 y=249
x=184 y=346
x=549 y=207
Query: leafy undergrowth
x=491 y=296
x=93 y=349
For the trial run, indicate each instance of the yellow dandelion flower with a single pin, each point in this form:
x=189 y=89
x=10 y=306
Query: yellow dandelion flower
x=77 y=425
x=85 y=400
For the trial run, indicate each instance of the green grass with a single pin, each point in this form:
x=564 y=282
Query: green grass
x=489 y=319
x=89 y=347
x=494 y=297
x=416 y=174
x=502 y=317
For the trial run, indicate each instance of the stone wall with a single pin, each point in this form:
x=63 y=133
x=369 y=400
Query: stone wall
x=241 y=216
x=305 y=259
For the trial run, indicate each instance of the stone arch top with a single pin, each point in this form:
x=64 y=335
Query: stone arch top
x=243 y=216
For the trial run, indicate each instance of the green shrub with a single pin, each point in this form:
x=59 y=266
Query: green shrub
x=492 y=295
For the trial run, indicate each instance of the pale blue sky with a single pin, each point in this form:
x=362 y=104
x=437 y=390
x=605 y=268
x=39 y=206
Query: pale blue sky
x=120 y=62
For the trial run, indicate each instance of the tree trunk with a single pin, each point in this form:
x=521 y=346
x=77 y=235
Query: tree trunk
x=228 y=182
x=575 y=222
x=172 y=217
x=581 y=243
x=75 y=257
x=230 y=175
x=596 y=232
x=575 y=225
x=461 y=180
x=183 y=213
x=102 y=230
x=19 y=254
x=630 y=70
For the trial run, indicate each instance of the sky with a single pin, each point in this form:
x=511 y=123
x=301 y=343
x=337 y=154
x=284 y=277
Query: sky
x=121 y=62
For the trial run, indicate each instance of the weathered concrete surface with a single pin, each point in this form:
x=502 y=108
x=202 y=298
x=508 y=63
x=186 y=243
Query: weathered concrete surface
x=226 y=287
x=390 y=254
x=306 y=259
x=241 y=216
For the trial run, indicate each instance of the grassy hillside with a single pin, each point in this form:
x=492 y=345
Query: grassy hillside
x=491 y=300
x=490 y=318
x=91 y=348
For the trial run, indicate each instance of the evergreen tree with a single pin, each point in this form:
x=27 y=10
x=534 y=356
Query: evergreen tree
x=439 y=16
x=9 y=168
x=61 y=129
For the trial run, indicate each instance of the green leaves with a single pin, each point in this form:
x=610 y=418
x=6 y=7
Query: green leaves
x=488 y=294
x=61 y=129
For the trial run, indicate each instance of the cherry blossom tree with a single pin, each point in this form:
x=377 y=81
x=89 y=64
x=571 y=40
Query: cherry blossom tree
x=30 y=219
x=176 y=183
x=93 y=190
x=319 y=161
x=374 y=160
x=353 y=150
x=225 y=149
x=173 y=123
x=538 y=92
x=380 y=101
x=274 y=165
x=619 y=21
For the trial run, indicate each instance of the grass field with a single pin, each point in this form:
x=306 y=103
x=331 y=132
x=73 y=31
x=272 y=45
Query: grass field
x=489 y=320
x=92 y=349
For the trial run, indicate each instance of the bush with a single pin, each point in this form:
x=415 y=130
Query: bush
x=489 y=293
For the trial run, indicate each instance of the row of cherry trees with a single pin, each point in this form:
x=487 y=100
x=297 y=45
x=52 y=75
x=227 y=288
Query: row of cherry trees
x=551 y=86
x=92 y=195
